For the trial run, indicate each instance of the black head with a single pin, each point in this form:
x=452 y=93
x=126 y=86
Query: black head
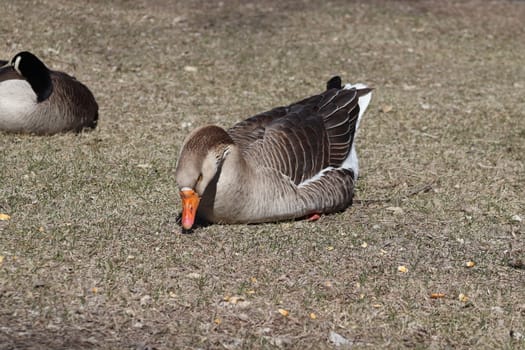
x=35 y=72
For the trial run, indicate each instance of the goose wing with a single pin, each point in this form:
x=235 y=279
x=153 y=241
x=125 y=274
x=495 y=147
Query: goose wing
x=253 y=129
x=302 y=139
x=8 y=73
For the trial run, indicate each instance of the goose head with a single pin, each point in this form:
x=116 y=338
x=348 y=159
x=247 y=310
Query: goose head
x=199 y=165
x=32 y=69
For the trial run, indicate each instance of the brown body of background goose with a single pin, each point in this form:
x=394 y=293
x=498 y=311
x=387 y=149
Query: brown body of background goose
x=35 y=99
x=289 y=162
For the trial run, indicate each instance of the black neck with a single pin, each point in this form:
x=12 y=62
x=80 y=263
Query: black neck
x=40 y=81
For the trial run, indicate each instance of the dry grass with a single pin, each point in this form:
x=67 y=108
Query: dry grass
x=92 y=255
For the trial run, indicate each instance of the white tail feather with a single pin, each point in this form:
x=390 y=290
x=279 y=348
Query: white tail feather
x=351 y=162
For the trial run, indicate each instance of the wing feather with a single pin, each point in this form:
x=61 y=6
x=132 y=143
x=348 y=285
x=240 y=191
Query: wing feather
x=302 y=139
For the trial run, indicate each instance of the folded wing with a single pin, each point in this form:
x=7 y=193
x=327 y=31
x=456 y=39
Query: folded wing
x=301 y=140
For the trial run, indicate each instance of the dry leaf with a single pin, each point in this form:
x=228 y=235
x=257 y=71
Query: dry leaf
x=235 y=299
x=470 y=264
x=190 y=69
x=217 y=321
x=4 y=217
x=364 y=245
x=284 y=312
x=437 y=295
x=396 y=210
x=330 y=248
x=313 y=316
x=94 y=290
x=144 y=166
x=1 y=260
x=462 y=297
x=387 y=108
x=193 y=275
x=402 y=269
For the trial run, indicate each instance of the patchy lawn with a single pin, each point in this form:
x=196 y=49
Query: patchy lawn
x=91 y=255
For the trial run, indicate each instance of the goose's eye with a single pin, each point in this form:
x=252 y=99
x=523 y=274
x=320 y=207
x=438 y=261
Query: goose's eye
x=199 y=178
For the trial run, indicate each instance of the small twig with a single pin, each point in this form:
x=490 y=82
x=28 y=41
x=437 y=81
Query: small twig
x=424 y=188
x=483 y=166
x=369 y=201
x=422 y=133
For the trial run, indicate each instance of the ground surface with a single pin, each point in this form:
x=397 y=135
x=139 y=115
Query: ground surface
x=92 y=256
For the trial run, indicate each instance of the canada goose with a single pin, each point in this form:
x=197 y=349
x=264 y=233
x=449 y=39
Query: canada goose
x=290 y=162
x=35 y=99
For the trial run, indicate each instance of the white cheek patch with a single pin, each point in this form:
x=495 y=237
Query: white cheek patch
x=17 y=63
x=17 y=102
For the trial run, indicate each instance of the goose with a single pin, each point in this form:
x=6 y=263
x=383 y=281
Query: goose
x=296 y=161
x=37 y=100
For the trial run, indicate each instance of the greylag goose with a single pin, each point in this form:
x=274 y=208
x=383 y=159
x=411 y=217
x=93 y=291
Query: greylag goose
x=290 y=162
x=35 y=99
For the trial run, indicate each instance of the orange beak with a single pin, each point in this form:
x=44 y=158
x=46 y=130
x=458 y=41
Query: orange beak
x=190 y=203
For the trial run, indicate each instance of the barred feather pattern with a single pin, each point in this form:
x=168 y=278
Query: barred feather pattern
x=302 y=139
x=304 y=145
x=285 y=163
